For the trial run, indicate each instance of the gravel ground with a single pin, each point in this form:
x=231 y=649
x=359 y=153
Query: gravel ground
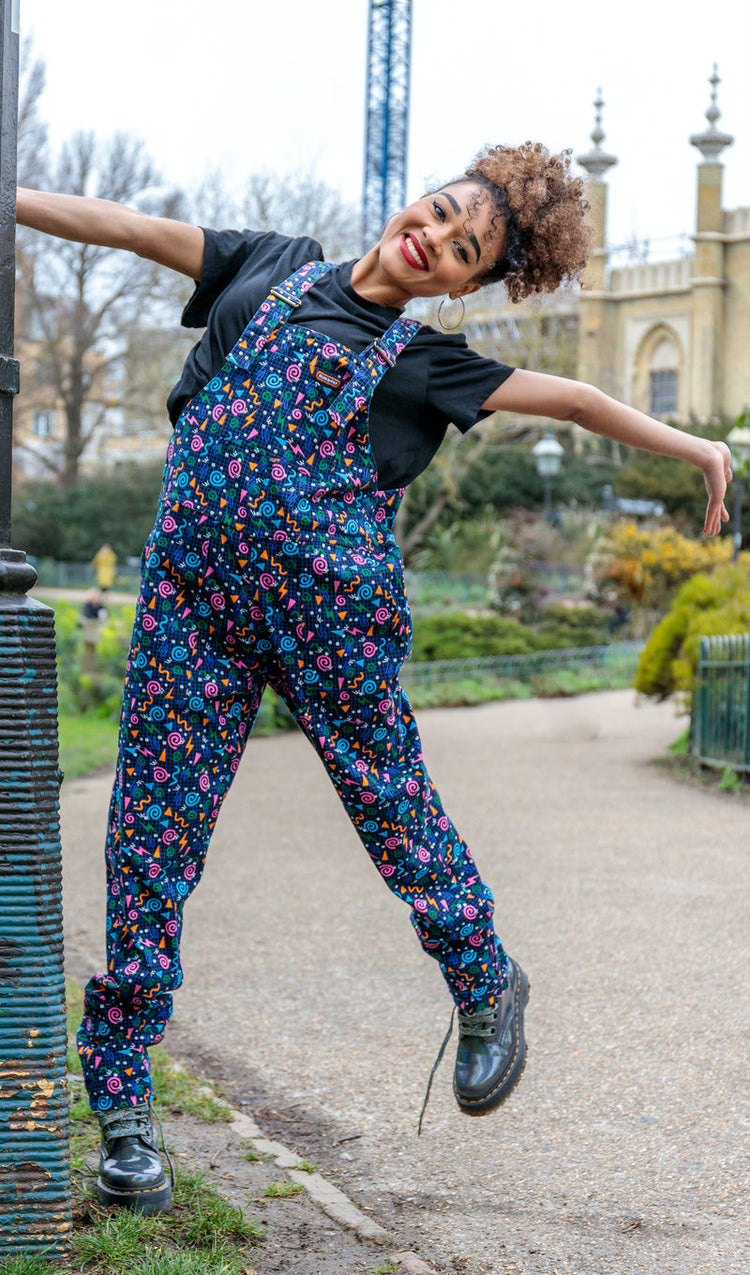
x=624 y=894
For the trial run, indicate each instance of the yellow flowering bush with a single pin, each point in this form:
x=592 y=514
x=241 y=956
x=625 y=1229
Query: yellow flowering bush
x=644 y=566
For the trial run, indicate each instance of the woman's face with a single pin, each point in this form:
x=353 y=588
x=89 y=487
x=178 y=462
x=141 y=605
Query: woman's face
x=443 y=242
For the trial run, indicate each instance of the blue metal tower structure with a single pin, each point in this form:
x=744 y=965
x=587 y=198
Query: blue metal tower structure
x=387 y=113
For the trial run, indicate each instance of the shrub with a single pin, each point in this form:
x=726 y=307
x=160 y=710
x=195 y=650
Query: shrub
x=69 y=525
x=459 y=635
x=705 y=606
x=563 y=625
x=84 y=693
x=646 y=565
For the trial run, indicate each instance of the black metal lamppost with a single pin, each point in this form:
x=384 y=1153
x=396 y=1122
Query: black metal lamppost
x=34 y=1156
x=548 y=455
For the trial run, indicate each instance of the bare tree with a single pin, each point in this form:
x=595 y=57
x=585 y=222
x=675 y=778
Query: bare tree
x=299 y=204
x=80 y=302
x=32 y=131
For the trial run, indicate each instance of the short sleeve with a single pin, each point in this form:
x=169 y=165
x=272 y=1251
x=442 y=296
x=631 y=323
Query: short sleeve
x=460 y=380
x=226 y=253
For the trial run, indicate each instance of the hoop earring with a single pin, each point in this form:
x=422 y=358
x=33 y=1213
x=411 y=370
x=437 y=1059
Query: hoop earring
x=451 y=327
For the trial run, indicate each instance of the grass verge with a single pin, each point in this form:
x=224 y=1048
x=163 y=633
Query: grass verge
x=486 y=689
x=86 y=744
x=203 y=1235
x=681 y=763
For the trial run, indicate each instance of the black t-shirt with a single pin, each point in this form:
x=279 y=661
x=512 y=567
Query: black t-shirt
x=436 y=380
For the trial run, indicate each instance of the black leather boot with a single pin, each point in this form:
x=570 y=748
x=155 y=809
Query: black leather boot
x=492 y=1048
x=131 y=1173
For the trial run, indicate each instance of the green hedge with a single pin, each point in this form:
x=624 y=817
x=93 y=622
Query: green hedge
x=706 y=605
x=462 y=635
x=69 y=525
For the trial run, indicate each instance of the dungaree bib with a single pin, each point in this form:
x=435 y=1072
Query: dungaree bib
x=272 y=561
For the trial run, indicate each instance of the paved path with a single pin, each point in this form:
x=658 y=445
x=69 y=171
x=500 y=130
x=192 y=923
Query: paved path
x=625 y=895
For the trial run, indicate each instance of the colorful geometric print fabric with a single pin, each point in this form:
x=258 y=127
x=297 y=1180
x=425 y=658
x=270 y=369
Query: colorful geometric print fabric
x=272 y=562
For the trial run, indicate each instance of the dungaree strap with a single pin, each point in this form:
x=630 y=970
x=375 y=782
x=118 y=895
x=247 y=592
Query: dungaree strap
x=275 y=310
x=372 y=364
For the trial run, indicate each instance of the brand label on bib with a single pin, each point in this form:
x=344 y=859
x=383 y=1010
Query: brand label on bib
x=325 y=378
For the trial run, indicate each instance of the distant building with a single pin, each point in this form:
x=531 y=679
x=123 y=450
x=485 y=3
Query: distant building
x=671 y=337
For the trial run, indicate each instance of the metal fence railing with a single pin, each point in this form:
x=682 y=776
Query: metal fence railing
x=720 y=729
x=619 y=660
x=52 y=574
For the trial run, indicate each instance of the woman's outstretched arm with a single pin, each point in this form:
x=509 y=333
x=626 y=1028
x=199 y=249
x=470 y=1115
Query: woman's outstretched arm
x=537 y=394
x=99 y=221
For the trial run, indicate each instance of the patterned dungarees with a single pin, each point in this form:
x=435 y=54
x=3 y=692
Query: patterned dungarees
x=272 y=561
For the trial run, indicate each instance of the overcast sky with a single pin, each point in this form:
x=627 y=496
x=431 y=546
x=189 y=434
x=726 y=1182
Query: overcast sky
x=254 y=85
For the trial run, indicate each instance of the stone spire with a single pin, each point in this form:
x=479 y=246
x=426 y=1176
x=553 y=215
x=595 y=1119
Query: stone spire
x=597 y=161
x=711 y=142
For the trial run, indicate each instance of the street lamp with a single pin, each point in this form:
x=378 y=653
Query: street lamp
x=548 y=455
x=34 y=1153
x=738 y=440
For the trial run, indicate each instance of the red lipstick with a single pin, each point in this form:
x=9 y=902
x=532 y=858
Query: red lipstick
x=409 y=256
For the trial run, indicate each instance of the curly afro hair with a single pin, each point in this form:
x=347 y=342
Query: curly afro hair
x=544 y=208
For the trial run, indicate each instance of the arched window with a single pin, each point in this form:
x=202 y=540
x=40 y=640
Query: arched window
x=664 y=378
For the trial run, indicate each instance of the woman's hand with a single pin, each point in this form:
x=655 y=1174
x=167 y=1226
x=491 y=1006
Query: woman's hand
x=717 y=472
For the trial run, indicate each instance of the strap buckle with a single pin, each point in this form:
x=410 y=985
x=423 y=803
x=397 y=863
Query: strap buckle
x=383 y=354
x=292 y=301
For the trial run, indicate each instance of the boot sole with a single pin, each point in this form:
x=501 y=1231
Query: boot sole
x=148 y=1200
x=514 y=1070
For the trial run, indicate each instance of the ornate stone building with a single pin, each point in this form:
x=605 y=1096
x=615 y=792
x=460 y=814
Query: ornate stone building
x=671 y=337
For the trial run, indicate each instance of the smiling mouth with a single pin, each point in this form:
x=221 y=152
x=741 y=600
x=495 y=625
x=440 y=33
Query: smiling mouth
x=413 y=252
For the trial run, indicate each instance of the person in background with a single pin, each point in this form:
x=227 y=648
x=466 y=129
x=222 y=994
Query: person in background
x=104 y=563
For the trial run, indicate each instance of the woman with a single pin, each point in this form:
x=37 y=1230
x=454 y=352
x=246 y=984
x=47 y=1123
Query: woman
x=272 y=561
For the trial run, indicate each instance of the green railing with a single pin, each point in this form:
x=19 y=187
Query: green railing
x=720 y=729
x=618 y=661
